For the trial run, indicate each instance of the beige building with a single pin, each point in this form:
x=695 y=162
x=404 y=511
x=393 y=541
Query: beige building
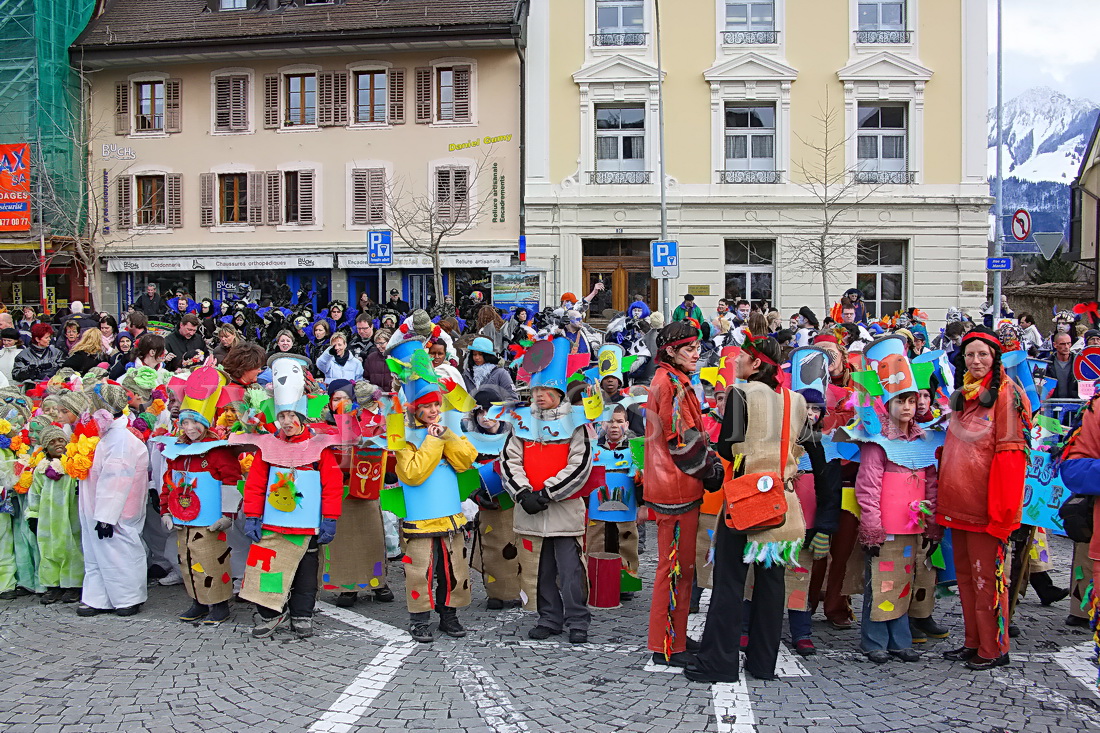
x=244 y=149
x=745 y=85
x=1085 y=212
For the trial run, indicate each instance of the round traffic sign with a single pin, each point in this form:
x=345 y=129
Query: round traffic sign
x=1021 y=225
x=1086 y=367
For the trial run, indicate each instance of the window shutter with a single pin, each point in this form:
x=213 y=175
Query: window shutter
x=462 y=93
x=326 y=82
x=376 y=194
x=122 y=108
x=173 y=114
x=340 y=98
x=360 y=196
x=206 y=199
x=274 y=197
x=231 y=103
x=255 y=197
x=443 y=193
x=423 y=96
x=173 y=199
x=305 y=197
x=125 y=205
x=396 y=91
x=271 y=101
x=461 y=197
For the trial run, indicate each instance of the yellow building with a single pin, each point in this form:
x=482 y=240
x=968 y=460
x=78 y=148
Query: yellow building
x=1085 y=211
x=747 y=87
x=247 y=149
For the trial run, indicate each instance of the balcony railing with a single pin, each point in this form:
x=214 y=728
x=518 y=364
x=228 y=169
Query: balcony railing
x=900 y=178
x=883 y=36
x=632 y=178
x=750 y=37
x=727 y=176
x=619 y=39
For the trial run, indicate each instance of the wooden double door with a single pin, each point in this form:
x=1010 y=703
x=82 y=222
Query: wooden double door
x=625 y=280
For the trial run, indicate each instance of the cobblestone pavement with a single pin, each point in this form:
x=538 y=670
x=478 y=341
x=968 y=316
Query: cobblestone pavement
x=361 y=672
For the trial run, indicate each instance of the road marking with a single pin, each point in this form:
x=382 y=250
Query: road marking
x=492 y=703
x=344 y=715
x=732 y=707
x=1050 y=699
x=1076 y=661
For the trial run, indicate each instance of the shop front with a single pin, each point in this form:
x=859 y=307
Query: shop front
x=20 y=278
x=412 y=276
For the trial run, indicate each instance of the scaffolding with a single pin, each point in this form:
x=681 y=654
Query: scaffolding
x=40 y=101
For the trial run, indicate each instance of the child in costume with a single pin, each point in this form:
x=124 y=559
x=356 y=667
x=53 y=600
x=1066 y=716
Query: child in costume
x=18 y=547
x=52 y=512
x=545 y=465
x=613 y=509
x=292 y=499
x=896 y=491
x=199 y=499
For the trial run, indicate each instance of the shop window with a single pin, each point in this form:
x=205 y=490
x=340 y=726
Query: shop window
x=750 y=269
x=368 y=196
x=452 y=202
x=231 y=103
x=148 y=106
x=880 y=276
x=444 y=94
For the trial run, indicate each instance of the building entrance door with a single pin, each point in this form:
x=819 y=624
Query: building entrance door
x=622 y=265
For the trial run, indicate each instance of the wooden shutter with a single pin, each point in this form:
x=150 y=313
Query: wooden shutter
x=326 y=82
x=206 y=199
x=443 y=194
x=254 y=196
x=462 y=93
x=340 y=98
x=125 y=204
x=395 y=89
x=173 y=200
x=305 y=197
x=274 y=180
x=271 y=101
x=368 y=196
x=173 y=114
x=460 y=206
x=423 y=96
x=231 y=103
x=122 y=108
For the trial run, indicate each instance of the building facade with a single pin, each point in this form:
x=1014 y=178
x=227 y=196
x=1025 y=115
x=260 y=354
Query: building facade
x=844 y=131
x=248 y=150
x=1085 y=213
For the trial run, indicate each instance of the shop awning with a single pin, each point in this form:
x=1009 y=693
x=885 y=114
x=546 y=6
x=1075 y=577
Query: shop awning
x=227 y=262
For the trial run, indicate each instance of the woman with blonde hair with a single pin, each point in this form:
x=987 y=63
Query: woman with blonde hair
x=87 y=352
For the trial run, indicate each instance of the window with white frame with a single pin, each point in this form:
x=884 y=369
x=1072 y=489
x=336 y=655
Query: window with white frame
x=750 y=21
x=301 y=99
x=881 y=21
x=882 y=143
x=750 y=269
x=444 y=94
x=150 y=200
x=619 y=23
x=370 y=96
x=150 y=210
x=148 y=106
x=233 y=5
x=880 y=276
x=620 y=144
x=750 y=143
x=231 y=103
x=297 y=197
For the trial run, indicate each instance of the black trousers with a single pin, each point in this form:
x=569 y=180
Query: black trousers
x=720 y=645
x=303 y=590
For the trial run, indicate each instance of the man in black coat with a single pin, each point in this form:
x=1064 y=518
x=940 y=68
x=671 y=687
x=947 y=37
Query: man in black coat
x=150 y=303
x=184 y=345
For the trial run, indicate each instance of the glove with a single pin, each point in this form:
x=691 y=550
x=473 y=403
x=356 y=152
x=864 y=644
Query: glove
x=328 y=531
x=532 y=503
x=222 y=524
x=33 y=524
x=166 y=520
x=872 y=550
x=254 y=528
x=104 y=530
x=713 y=481
x=820 y=545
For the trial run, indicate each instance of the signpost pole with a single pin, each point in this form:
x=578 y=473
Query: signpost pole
x=998 y=216
x=665 y=285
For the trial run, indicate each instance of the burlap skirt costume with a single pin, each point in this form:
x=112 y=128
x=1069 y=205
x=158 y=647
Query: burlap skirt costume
x=204 y=564
x=270 y=568
x=893 y=577
x=495 y=553
x=423 y=591
x=356 y=559
x=530 y=551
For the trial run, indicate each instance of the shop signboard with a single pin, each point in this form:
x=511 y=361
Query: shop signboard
x=515 y=289
x=15 y=187
x=415 y=262
x=227 y=262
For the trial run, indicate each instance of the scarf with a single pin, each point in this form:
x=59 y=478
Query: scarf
x=481 y=373
x=342 y=360
x=972 y=387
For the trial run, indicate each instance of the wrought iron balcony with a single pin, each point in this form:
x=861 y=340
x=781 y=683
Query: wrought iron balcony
x=900 y=178
x=883 y=36
x=619 y=39
x=620 y=177
x=727 y=176
x=750 y=37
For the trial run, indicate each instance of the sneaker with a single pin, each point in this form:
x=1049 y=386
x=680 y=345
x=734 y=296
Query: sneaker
x=451 y=626
x=172 y=578
x=878 y=656
x=84 y=610
x=219 y=613
x=52 y=595
x=265 y=627
x=383 y=594
x=906 y=655
x=980 y=664
x=843 y=625
x=578 y=636
x=302 y=626
x=196 y=612
x=421 y=632
x=542 y=632
x=679 y=659
x=346 y=600
x=70 y=595
x=128 y=610
x=805 y=647
x=155 y=572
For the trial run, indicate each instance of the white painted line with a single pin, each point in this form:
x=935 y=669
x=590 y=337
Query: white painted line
x=1050 y=699
x=492 y=703
x=732 y=707
x=789 y=664
x=379 y=629
x=1076 y=661
x=666 y=668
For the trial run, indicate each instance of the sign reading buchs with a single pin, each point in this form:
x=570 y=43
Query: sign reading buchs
x=15 y=187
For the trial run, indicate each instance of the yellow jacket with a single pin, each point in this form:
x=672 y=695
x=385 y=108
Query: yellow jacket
x=414 y=465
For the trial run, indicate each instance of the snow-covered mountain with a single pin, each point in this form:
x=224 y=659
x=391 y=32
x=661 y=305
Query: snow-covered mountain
x=1045 y=135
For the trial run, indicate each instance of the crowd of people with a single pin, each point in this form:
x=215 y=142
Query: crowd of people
x=266 y=454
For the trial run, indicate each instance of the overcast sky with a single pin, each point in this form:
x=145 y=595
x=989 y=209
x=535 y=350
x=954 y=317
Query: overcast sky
x=1054 y=43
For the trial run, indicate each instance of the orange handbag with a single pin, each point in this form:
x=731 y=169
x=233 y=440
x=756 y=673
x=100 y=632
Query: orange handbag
x=757 y=501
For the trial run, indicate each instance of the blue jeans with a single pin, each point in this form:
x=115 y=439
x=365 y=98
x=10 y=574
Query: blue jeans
x=891 y=636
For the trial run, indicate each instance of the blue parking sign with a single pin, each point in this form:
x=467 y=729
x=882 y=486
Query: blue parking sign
x=380 y=247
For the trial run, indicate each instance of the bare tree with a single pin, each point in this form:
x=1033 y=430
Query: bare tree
x=452 y=203
x=835 y=190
